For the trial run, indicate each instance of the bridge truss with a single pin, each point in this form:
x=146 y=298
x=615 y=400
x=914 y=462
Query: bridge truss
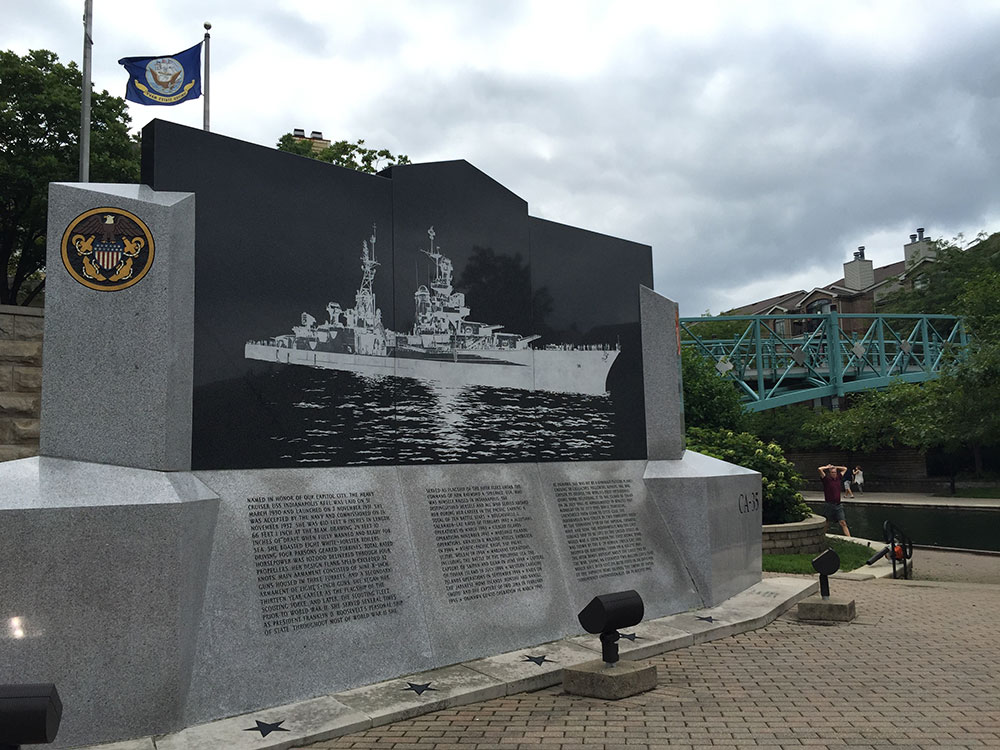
x=785 y=359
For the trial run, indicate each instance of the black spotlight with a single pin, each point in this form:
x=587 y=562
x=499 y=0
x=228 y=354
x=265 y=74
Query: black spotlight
x=29 y=715
x=826 y=564
x=608 y=612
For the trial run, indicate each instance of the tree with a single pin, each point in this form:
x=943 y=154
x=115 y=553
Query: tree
x=39 y=144
x=875 y=419
x=344 y=153
x=943 y=281
x=709 y=400
x=714 y=327
x=791 y=427
x=964 y=402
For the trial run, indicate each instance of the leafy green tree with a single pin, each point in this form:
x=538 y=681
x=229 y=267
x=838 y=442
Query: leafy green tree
x=780 y=482
x=962 y=406
x=937 y=421
x=875 y=419
x=344 y=153
x=39 y=144
x=714 y=329
x=943 y=282
x=709 y=400
x=792 y=427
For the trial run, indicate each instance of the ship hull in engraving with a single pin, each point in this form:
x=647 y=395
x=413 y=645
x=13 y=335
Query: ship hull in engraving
x=443 y=346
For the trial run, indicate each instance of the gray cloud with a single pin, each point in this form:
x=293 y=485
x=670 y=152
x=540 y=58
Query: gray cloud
x=745 y=154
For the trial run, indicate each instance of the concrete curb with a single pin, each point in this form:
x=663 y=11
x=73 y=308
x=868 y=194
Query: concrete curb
x=482 y=679
x=880 y=569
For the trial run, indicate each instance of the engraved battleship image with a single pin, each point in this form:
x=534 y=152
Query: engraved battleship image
x=443 y=346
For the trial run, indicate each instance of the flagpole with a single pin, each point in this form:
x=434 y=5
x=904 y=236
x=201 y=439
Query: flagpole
x=207 y=69
x=88 y=42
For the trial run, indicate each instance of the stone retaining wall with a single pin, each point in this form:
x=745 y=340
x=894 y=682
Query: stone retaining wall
x=20 y=380
x=802 y=537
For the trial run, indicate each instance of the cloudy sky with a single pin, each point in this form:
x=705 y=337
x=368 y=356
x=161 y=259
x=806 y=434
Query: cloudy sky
x=754 y=145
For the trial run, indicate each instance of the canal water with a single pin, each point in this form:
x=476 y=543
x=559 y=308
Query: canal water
x=965 y=528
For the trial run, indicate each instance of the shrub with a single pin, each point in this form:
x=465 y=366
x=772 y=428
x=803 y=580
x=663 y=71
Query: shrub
x=780 y=482
x=709 y=400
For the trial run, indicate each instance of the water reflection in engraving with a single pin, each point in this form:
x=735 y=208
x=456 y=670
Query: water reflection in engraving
x=317 y=417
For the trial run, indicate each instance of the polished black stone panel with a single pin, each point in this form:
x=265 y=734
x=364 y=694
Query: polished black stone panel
x=478 y=224
x=277 y=235
x=585 y=291
x=280 y=245
x=481 y=229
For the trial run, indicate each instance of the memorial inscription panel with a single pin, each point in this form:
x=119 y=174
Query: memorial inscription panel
x=484 y=541
x=602 y=531
x=321 y=559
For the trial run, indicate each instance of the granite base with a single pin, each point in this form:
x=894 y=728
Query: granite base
x=157 y=601
x=610 y=682
x=833 y=609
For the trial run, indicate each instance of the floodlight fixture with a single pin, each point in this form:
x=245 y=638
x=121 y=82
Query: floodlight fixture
x=826 y=564
x=29 y=715
x=608 y=612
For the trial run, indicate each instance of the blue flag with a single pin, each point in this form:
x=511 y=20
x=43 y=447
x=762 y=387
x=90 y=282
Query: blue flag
x=164 y=80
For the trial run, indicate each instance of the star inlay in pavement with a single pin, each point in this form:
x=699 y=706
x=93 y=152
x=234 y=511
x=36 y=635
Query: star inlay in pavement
x=630 y=636
x=265 y=729
x=539 y=660
x=419 y=689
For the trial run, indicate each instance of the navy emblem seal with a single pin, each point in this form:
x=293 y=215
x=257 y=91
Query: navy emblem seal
x=107 y=249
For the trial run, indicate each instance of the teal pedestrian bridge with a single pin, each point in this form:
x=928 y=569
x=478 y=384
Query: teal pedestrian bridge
x=785 y=359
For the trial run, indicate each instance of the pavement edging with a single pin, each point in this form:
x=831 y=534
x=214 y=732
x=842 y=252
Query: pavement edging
x=518 y=671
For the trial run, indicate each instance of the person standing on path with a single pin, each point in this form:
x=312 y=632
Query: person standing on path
x=832 y=478
x=859 y=479
x=848 y=476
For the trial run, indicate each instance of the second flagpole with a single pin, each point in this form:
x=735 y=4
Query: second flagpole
x=207 y=69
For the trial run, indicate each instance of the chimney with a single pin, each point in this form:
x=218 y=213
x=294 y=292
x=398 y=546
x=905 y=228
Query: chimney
x=859 y=273
x=317 y=142
x=918 y=248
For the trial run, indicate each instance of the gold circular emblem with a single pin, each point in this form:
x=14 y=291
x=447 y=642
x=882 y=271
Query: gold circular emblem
x=107 y=249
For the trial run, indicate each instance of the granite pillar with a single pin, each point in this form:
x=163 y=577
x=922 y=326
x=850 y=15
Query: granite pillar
x=116 y=385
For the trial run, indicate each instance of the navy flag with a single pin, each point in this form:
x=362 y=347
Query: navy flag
x=164 y=80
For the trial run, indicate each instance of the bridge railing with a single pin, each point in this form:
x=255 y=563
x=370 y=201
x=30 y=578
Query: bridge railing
x=782 y=359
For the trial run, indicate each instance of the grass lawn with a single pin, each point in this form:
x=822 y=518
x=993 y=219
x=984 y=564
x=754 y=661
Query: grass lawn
x=851 y=555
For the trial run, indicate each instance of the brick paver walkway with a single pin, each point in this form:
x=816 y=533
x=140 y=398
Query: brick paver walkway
x=920 y=668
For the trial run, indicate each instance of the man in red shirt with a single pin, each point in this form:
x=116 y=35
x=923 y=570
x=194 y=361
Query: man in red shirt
x=833 y=477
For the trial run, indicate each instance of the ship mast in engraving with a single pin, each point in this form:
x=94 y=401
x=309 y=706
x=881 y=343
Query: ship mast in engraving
x=443 y=345
x=364 y=300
